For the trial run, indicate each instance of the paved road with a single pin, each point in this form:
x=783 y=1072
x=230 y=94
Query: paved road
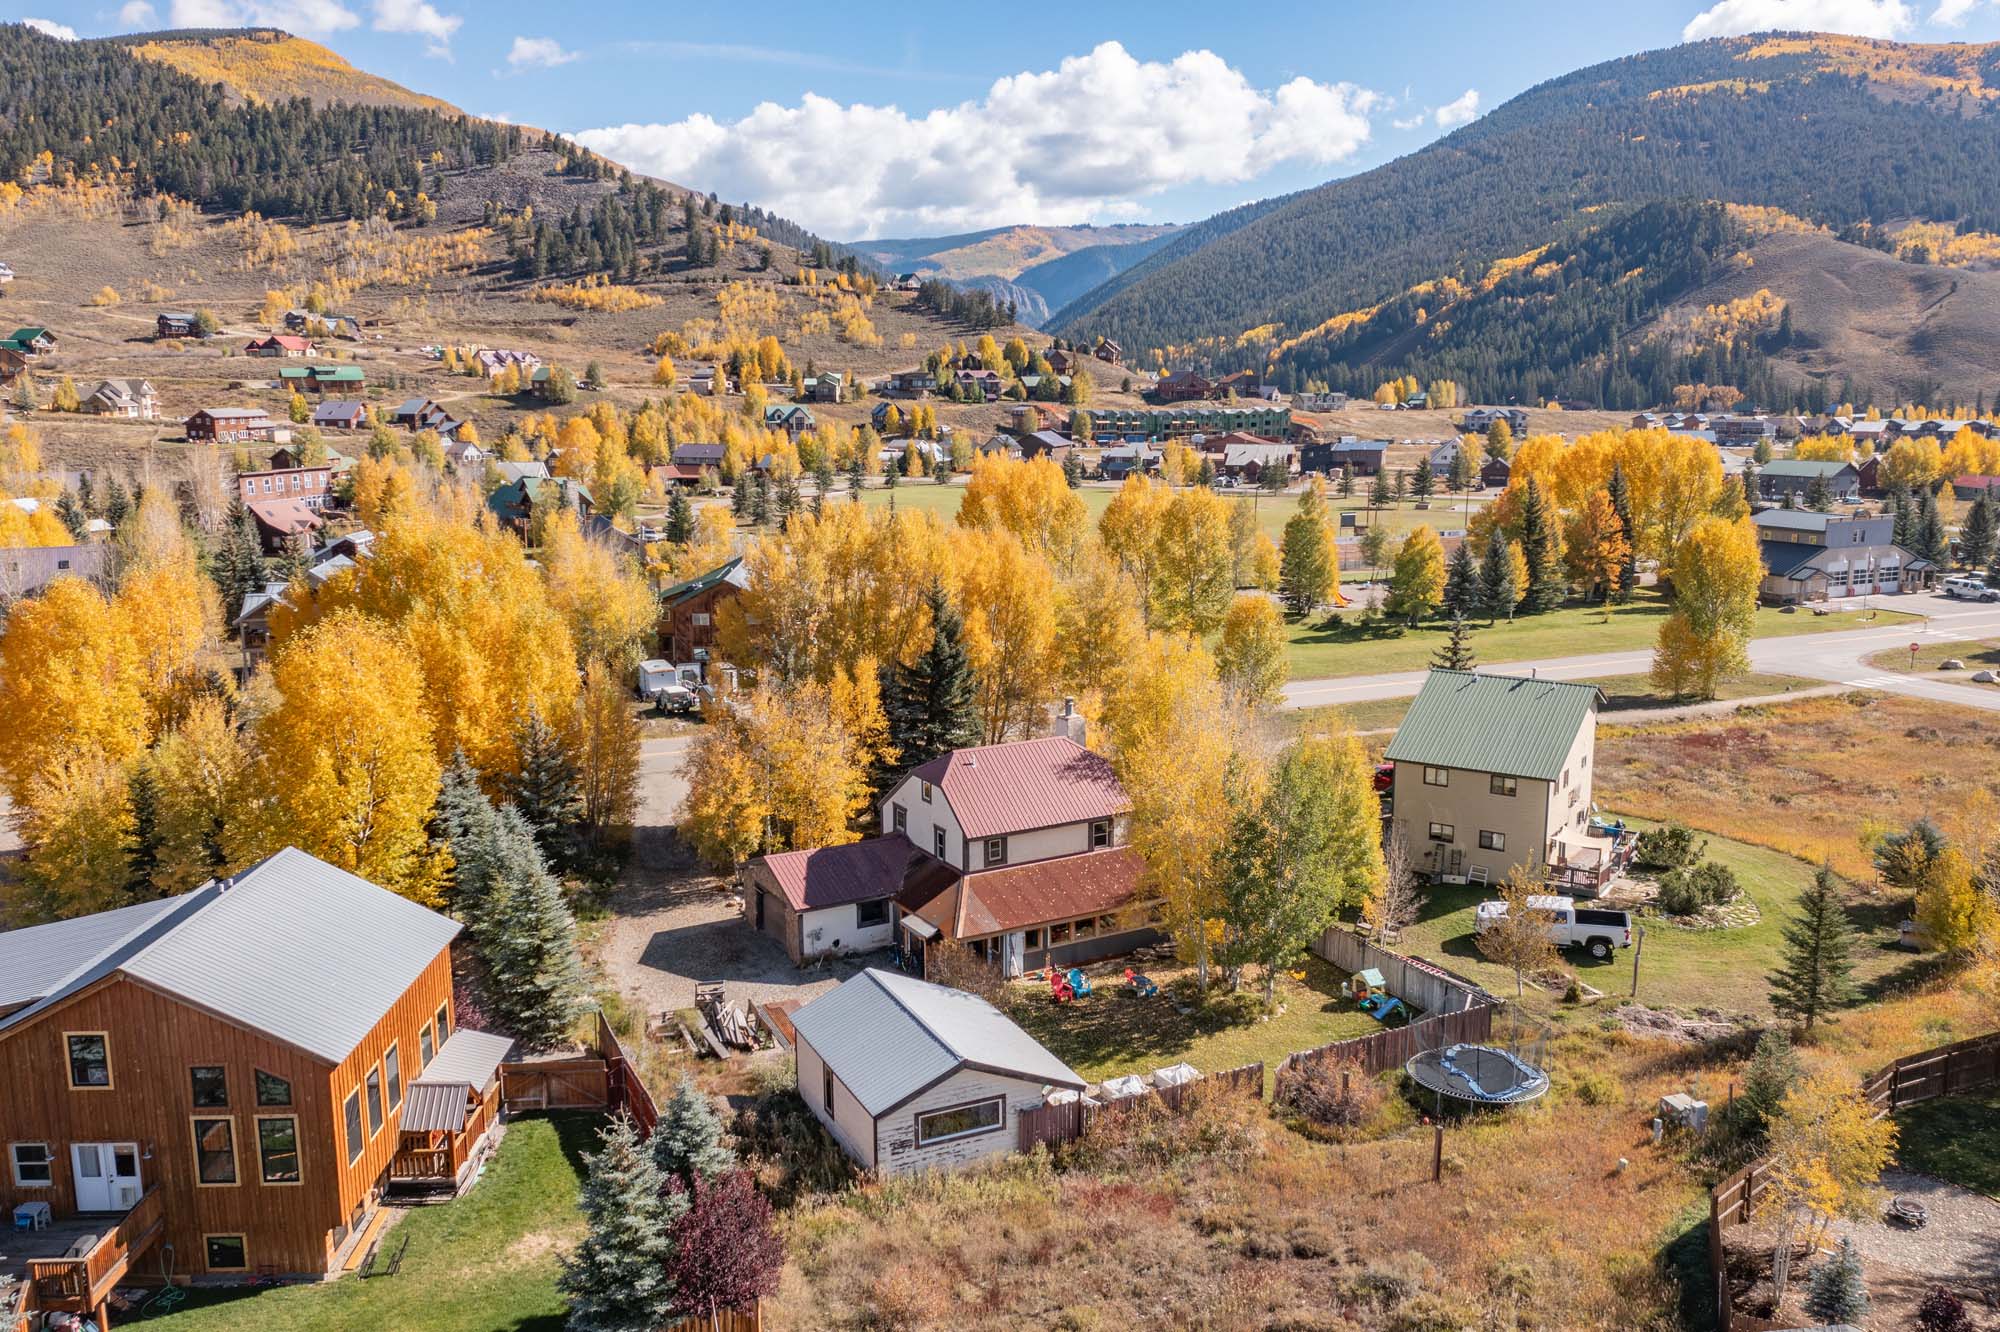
x=661 y=785
x=1833 y=657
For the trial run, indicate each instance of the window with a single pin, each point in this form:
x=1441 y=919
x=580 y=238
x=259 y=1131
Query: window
x=961 y=1121
x=374 y=1100
x=1100 y=834
x=443 y=1022
x=1107 y=924
x=1492 y=841
x=89 y=1059
x=355 y=1141
x=1086 y=929
x=278 y=1149
x=1436 y=776
x=31 y=1165
x=227 y=1253
x=425 y=1048
x=211 y=1086
x=215 y=1151
x=900 y=817
x=1031 y=939
x=272 y=1089
x=996 y=850
x=1059 y=934
x=937 y=843
x=925 y=788
x=392 y=1066
x=826 y=1086
x=1443 y=832
x=1502 y=786
x=870 y=913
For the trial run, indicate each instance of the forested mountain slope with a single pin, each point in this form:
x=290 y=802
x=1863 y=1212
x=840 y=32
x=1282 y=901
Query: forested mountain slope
x=267 y=65
x=1835 y=130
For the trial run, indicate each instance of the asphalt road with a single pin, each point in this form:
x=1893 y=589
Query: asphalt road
x=1834 y=657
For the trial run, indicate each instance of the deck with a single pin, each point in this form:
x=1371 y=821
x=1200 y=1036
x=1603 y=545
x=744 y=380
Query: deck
x=79 y=1282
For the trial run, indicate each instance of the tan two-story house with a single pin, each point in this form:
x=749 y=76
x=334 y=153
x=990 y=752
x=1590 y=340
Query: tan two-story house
x=1494 y=772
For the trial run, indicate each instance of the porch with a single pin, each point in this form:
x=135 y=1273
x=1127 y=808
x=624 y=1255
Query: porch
x=449 y=1118
x=73 y=1263
x=1586 y=865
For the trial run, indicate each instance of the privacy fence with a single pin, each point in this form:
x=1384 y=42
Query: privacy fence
x=602 y=1079
x=1393 y=1047
x=1415 y=981
x=1949 y=1070
x=1058 y=1124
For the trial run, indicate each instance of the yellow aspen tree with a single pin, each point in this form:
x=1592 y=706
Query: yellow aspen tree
x=1007 y=595
x=1594 y=546
x=599 y=593
x=1706 y=638
x=70 y=683
x=1251 y=656
x=605 y=741
x=1031 y=499
x=1193 y=573
x=74 y=819
x=1100 y=625
x=1416 y=584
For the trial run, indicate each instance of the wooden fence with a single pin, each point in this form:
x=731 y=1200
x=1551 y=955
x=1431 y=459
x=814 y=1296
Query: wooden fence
x=624 y=1088
x=1949 y=1070
x=1414 y=980
x=723 y=1320
x=1392 y=1047
x=1058 y=1124
x=555 y=1084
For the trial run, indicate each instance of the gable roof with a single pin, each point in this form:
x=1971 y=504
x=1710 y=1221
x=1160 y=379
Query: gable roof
x=730 y=571
x=292 y=947
x=1024 y=784
x=888 y=1037
x=871 y=870
x=1020 y=897
x=1784 y=559
x=1510 y=724
x=1805 y=467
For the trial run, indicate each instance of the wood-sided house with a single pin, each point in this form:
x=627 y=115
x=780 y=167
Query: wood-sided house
x=231 y=1073
x=910 y=1076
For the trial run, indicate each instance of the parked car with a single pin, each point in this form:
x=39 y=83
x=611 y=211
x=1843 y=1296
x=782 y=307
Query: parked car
x=1966 y=588
x=1600 y=931
x=677 y=698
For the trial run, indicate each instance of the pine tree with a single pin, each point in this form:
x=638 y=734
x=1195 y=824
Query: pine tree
x=616 y=1279
x=932 y=703
x=760 y=499
x=1773 y=1070
x=239 y=563
x=1498 y=589
x=527 y=940
x=1976 y=534
x=71 y=513
x=688 y=1139
x=1819 y=495
x=117 y=503
x=739 y=498
x=1838 y=1291
x=1750 y=491
x=548 y=791
x=680 y=518
x=1538 y=544
x=1455 y=653
x=1308 y=565
x=1423 y=480
x=1072 y=469
x=1383 y=494
x=1461 y=582
x=1620 y=490
x=1900 y=508
x=1928 y=534
x=1816 y=973
x=142 y=842
x=461 y=823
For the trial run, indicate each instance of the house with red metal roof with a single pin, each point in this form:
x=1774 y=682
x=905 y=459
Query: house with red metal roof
x=1019 y=851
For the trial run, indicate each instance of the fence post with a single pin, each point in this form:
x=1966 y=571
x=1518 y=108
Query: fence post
x=1437 y=1156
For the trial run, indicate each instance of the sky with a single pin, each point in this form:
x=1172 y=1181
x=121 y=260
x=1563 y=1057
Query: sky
x=873 y=120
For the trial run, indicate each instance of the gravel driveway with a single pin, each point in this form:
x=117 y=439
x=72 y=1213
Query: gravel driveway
x=1960 y=1247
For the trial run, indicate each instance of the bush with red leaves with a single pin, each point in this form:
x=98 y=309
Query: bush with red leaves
x=725 y=1253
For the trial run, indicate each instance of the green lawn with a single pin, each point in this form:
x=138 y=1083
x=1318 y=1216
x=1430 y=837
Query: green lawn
x=1320 y=650
x=1954 y=1138
x=482 y=1263
x=1112 y=1033
x=1978 y=654
x=1622 y=693
x=1721 y=968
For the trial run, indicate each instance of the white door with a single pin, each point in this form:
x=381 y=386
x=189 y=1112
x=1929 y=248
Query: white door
x=106 y=1175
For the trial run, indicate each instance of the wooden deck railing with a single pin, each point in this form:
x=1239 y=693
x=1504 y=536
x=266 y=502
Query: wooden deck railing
x=422 y=1163
x=66 y=1282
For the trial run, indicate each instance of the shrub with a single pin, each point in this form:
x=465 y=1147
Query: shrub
x=1669 y=846
x=1330 y=1094
x=1839 y=1292
x=1943 y=1311
x=1594 y=1087
x=1686 y=890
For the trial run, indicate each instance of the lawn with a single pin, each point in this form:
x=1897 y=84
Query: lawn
x=1978 y=654
x=484 y=1262
x=1723 y=968
x=1321 y=649
x=1112 y=1033
x=1622 y=693
x=1954 y=1138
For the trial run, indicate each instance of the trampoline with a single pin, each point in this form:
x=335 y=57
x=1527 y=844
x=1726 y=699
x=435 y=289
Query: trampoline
x=1477 y=1074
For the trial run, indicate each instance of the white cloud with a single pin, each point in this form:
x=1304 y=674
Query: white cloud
x=306 y=17
x=539 y=53
x=51 y=28
x=1063 y=145
x=138 y=14
x=1459 y=110
x=1951 y=13
x=1412 y=122
x=419 y=17
x=1857 y=18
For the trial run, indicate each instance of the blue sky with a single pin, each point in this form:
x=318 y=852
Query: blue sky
x=905 y=119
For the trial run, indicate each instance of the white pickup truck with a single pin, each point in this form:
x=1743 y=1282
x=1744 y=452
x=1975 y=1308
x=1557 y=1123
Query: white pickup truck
x=1598 y=930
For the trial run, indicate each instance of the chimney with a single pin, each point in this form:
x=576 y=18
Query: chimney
x=1070 y=723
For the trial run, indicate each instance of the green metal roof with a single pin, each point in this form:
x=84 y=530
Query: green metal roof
x=1508 y=724
x=725 y=572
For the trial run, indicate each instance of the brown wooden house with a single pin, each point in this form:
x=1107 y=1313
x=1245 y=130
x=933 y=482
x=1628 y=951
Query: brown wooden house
x=230 y=1073
x=687 y=612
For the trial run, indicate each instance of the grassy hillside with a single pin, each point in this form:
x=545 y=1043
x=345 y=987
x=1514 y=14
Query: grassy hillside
x=265 y=65
x=1835 y=130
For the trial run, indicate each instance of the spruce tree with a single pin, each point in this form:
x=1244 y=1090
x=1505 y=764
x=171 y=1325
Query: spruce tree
x=1620 y=490
x=1976 y=535
x=548 y=791
x=687 y=1142
x=857 y=473
x=1383 y=494
x=1461 y=582
x=1423 y=480
x=1498 y=593
x=71 y=513
x=1928 y=533
x=461 y=821
x=1538 y=544
x=616 y=1279
x=1903 y=511
x=1819 y=495
x=527 y=939
x=1816 y=972
x=1072 y=469
x=1750 y=492
x=680 y=518
x=1838 y=1291
x=1774 y=1069
x=142 y=842
x=930 y=703
x=1455 y=653
x=117 y=503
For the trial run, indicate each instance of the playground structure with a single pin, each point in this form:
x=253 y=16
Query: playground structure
x=1371 y=994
